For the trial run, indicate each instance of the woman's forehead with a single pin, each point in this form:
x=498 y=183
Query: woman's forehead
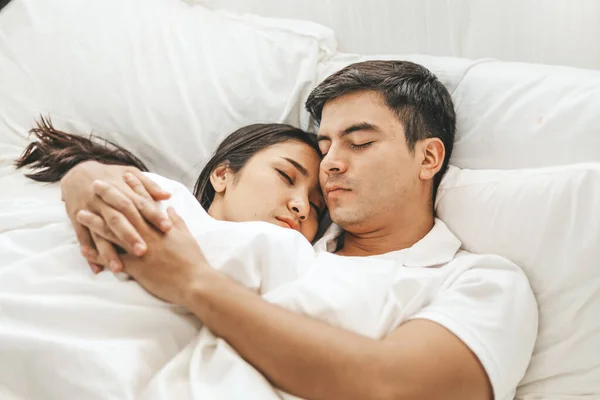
x=297 y=151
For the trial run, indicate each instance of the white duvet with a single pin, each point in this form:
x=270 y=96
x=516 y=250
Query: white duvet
x=66 y=333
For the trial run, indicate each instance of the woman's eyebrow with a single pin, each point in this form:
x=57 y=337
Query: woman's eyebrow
x=298 y=166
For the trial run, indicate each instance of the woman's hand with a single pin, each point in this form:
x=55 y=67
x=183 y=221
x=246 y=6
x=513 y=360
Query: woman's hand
x=137 y=199
x=173 y=263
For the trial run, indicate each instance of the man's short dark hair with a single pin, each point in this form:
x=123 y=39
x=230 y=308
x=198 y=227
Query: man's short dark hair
x=420 y=100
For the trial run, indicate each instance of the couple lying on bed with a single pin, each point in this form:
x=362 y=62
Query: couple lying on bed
x=410 y=315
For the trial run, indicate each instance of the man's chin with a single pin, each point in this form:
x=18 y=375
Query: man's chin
x=344 y=217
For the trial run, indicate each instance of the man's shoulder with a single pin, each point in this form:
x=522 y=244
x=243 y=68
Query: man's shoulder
x=494 y=269
x=466 y=260
x=487 y=302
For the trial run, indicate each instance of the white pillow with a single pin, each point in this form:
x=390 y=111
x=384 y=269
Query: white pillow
x=515 y=115
x=163 y=78
x=548 y=222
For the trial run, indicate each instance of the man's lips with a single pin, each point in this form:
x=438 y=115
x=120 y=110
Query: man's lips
x=287 y=223
x=334 y=189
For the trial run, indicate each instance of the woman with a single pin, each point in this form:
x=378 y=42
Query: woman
x=261 y=172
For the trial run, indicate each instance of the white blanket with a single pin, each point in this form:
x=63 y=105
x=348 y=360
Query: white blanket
x=66 y=333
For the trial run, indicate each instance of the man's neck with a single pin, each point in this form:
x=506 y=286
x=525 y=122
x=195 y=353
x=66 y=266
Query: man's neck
x=385 y=240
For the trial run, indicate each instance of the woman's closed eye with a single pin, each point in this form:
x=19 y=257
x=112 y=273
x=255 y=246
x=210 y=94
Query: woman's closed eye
x=318 y=210
x=285 y=176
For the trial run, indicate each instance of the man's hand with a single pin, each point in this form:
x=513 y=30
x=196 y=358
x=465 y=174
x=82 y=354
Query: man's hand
x=137 y=198
x=173 y=263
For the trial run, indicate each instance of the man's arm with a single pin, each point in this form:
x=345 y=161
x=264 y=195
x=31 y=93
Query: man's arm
x=473 y=339
x=301 y=355
x=311 y=359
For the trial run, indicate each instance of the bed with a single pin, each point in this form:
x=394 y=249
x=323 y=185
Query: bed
x=168 y=79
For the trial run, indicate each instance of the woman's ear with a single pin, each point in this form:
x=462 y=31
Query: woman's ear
x=433 y=157
x=219 y=176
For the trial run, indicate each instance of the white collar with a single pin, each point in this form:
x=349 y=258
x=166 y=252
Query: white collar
x=438 y=247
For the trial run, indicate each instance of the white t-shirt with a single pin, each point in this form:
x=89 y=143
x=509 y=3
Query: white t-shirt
x=485 y=300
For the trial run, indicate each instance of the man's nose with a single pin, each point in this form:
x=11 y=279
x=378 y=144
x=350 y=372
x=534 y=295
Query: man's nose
x=333 y=163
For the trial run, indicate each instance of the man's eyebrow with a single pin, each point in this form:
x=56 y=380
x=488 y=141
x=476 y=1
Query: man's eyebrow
x=298 y=166
x=363 y=126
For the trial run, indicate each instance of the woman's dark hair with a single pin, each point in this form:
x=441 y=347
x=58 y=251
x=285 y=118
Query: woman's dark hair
x=240 y=146
x=54 y=153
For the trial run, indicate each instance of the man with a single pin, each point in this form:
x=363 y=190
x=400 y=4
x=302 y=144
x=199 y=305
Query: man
x=386 y=130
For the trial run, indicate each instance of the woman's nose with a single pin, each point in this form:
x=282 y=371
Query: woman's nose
x=300 y=208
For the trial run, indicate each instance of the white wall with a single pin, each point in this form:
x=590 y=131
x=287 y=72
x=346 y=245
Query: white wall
x=565 y=32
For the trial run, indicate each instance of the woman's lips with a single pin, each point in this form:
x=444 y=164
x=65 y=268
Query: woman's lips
x=287 y=223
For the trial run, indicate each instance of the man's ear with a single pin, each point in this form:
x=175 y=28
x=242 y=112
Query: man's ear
x=219 y=177
x=433 y=153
